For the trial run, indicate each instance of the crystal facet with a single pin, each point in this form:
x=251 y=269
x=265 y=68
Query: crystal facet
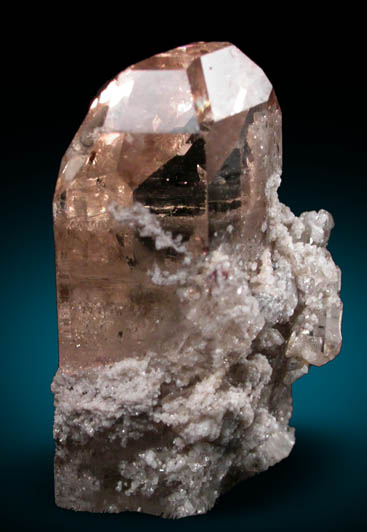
x=189 y=297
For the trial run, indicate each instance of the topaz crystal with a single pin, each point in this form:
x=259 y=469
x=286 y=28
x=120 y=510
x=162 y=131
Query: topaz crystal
x=189 y=298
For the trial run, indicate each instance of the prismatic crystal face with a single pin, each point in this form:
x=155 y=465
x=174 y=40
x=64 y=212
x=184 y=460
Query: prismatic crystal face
x=193 y=135
x=189 y=297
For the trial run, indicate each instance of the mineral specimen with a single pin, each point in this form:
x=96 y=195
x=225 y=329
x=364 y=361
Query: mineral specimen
x=189 y=298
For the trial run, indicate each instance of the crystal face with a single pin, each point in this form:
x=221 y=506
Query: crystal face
x=189 y=298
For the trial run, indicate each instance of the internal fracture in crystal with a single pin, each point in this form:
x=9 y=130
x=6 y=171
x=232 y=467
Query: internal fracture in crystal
x=189 y=298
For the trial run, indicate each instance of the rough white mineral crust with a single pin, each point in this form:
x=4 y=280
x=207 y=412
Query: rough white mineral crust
x=167 y=429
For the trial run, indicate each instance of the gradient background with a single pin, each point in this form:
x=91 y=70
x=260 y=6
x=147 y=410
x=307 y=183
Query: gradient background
x=56 y=65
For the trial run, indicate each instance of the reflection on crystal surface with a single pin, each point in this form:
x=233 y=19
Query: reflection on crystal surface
x=135 y=103
x=231 y=95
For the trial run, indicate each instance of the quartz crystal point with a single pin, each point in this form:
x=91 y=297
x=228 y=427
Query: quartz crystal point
x=189 y=298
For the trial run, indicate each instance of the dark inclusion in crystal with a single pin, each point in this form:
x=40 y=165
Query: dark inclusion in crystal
x=177 y=189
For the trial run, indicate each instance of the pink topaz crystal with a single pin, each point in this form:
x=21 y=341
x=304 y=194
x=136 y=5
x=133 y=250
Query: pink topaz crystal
x=189 y=297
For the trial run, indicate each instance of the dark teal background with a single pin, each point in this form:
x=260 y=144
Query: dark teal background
x=314 y=70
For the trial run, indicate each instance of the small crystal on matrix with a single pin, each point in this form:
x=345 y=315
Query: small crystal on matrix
x=189 y=298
